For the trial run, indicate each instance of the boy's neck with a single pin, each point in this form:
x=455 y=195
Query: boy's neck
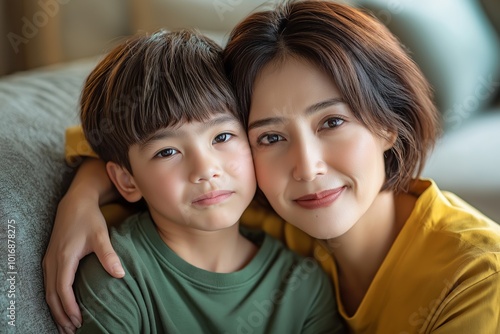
x=221 y=251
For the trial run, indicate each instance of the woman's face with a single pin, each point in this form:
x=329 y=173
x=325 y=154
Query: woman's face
x=319 y=167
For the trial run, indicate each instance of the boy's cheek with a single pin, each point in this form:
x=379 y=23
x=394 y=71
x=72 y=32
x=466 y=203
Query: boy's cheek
x=241 y=165
x=241 y=159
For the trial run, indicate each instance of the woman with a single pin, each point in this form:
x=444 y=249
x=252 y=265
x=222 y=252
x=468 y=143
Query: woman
x=340 y=122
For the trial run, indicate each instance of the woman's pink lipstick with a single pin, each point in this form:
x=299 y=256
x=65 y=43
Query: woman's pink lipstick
x=212 y=197
x=321 y=199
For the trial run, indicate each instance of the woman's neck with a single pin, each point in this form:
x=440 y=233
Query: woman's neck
x=359 y=253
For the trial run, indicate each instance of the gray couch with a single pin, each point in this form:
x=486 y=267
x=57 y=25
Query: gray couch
x=453 y=41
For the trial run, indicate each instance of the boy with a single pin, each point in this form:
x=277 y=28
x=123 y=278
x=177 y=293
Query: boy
x=162 y=115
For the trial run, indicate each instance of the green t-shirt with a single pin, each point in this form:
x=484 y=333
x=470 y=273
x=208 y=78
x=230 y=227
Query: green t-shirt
x=277 y=292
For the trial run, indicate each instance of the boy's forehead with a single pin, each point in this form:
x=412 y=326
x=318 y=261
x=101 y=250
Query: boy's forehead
x=185 y=128
x=206 y=123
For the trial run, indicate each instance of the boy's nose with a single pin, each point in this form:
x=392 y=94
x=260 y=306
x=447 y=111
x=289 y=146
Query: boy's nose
x=204 y=167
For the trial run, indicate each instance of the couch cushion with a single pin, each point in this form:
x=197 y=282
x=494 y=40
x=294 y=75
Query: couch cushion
x=35 y=107
x=466 y=161
x=456 y=47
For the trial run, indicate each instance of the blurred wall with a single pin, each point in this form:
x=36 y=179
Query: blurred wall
x=4 y=60
x=43 y=32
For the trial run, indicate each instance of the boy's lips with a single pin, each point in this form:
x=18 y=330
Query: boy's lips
x=320 y=199
x=213 y=197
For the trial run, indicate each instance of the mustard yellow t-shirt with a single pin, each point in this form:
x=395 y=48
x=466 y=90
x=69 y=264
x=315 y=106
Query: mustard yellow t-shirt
x=441 y=275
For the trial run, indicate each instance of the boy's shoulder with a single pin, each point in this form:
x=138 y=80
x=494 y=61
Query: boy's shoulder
x=101 y=297
x=130 y=224
x=284 y=262
x=128 y=240
x=130 y=235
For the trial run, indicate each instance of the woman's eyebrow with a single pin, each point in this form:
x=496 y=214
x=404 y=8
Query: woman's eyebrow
x=264 y=122
x=323 y=104
x=309 y=110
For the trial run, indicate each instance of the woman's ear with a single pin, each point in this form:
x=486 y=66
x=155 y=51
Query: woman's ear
x=124 y=182
x=390 y=138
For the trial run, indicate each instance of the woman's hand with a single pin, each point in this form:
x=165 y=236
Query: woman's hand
x=79 y=229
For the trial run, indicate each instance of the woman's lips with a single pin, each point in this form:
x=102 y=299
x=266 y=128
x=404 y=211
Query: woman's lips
x=319 y=200
x=212 y=197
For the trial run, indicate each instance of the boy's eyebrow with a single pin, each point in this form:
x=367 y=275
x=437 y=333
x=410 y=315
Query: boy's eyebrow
x=219 y=119
x=309 y=110
x=169 y=132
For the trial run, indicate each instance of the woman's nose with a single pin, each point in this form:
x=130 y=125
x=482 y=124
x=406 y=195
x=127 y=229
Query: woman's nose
x=308 y=161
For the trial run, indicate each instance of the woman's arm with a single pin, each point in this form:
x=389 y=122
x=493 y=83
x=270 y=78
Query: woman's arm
x=79 y=229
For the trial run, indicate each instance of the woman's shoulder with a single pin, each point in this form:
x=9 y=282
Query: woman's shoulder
x=445 y=232
x=439 y=210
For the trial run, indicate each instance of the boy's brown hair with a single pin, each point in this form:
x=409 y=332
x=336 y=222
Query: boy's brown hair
x=150 y=82
x=381 y=84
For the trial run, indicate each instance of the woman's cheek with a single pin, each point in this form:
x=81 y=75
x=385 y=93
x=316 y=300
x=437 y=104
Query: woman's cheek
x=268 y=175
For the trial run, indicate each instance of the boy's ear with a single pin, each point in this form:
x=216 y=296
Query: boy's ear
x=124 y=182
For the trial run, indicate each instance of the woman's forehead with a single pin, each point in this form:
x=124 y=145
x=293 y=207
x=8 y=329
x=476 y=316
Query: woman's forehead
x=293 y=83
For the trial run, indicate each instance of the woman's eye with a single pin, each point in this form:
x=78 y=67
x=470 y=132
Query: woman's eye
x=269 y=139
x=223 y=137
x=165 y=153
x=333 y=122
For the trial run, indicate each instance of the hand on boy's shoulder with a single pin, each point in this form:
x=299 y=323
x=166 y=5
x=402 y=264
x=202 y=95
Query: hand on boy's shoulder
x=91 y=275
x=100 y=295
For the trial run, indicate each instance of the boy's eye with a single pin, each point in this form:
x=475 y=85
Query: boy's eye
x=333 y=122
x=269 y=139
x=165 y=153
x=221 y=138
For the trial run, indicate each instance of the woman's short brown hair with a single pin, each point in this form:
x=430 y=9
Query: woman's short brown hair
x=382 y=85
x=151 y=82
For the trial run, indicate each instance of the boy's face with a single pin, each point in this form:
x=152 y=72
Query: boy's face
x=197 y=175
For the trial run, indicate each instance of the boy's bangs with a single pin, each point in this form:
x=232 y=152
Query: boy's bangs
x=190 y=87
x=151 y=82
x=166 y=107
